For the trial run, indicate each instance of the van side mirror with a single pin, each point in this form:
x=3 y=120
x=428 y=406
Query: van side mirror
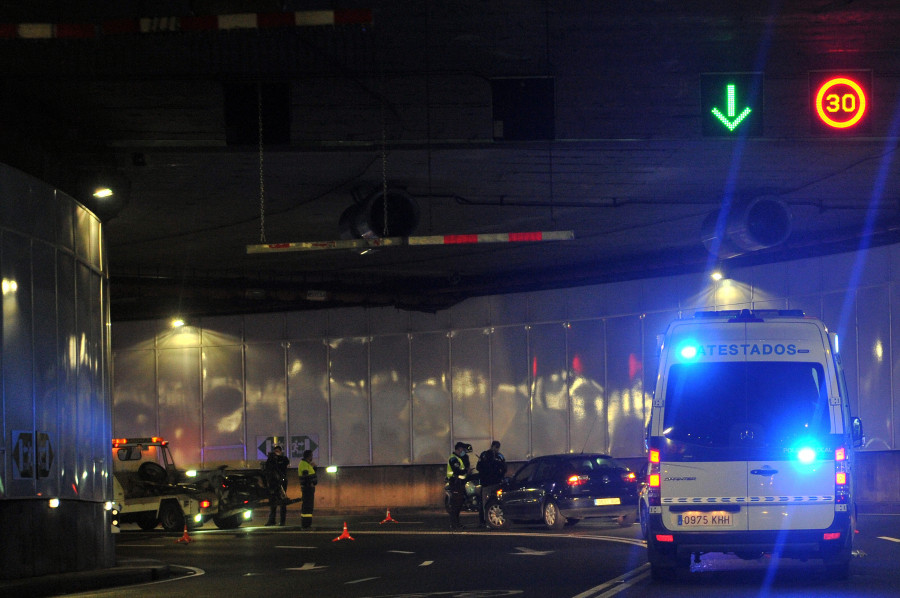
x=856 y=432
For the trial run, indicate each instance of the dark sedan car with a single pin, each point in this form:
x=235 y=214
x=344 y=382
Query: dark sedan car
x=563 y=489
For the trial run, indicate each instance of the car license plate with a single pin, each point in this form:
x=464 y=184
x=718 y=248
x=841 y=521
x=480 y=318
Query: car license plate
x=705 y=519
x=606 y=501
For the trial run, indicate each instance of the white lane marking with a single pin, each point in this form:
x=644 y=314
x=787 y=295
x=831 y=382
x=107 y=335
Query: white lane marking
x=360 y=580
x=529 y=552
x=299 y=547
x=305 y=567
x=889 y=539
x=402 y=551
x=425 y=563
x=622 y=582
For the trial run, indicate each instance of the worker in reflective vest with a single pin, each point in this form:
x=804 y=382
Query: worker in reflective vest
x=456 y=482
x=308 y=481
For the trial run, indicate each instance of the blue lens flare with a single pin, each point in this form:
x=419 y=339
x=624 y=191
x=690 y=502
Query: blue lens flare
x=806 y=454
x=688 y=351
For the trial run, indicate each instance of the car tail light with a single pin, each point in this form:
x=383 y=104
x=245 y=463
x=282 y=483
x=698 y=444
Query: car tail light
x=577 y=480
x=204 y=504
x=629 y=476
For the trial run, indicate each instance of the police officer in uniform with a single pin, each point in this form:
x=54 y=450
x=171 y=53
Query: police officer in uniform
x=308 y=480
x=457 y=469
x=275 y=470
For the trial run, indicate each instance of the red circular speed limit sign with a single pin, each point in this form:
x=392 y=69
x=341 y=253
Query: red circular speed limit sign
x=840 y=102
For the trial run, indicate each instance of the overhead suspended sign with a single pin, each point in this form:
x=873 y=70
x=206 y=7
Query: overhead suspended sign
x=523 y=237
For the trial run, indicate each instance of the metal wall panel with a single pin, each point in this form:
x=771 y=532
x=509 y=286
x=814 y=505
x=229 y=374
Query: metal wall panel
x=430 y=383
x=839 y=313
x=874 y=344
x=134 y=392
x=263 y=327
x=68 y=369
x=179 y=404
x=46 y=398
x=307 y=392
x=86 y=380
x=223 y=404
x=222 y=330
x=348 y=369
x=470 y=384
x=18 y=364
x=509 y=391
x=266 y=404
x=391 y=405
x=624 y=375
x=549 y=393
x=586 y=358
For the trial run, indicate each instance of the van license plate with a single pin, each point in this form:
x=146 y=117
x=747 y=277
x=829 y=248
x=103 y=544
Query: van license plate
x=606 y=501
x=705 y=519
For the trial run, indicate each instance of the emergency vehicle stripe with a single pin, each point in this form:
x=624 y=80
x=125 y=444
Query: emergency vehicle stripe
x=308 y=18
x=696 y=500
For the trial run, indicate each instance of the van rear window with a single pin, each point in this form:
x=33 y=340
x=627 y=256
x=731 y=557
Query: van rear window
x=744 y=404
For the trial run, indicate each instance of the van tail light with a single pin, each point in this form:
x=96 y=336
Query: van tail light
x=577 y=480
x=653 y=485
x=654 y=456
x=841 y=477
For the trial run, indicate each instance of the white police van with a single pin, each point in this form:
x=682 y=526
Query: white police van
x=750 y=443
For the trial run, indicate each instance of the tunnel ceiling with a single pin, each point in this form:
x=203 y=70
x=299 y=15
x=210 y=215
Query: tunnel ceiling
x=477 y=118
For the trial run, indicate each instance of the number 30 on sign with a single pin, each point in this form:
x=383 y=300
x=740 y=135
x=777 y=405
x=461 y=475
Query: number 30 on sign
x=840 y=102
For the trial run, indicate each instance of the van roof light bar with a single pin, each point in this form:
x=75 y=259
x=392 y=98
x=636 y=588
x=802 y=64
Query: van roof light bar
x=748 y=315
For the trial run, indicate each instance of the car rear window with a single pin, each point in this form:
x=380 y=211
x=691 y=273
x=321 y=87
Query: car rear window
x=588 y=464
x=732 y=404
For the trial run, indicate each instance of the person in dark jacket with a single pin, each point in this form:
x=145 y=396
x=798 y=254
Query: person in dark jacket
x=491 y=471
x=275 y=471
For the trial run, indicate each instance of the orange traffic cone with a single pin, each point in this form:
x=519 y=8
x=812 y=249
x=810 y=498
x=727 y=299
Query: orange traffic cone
x=388 y=518
x=184 y=537
x=345 y=535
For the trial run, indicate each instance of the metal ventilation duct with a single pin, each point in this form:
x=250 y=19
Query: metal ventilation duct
x=366 y=220
x=750 y=225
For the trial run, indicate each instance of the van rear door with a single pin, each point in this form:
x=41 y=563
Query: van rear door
x=742 y=406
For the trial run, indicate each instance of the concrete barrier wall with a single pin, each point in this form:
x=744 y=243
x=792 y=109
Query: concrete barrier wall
x=422 y=486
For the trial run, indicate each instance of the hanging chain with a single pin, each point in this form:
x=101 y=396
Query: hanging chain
x=262 y=187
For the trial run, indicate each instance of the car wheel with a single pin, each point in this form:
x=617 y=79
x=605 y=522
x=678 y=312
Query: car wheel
x=627 y=520
x=147 y=521
x=171 y=516
x=232 y=522
x=552 y=517
x=493 y=515
x=645 y=521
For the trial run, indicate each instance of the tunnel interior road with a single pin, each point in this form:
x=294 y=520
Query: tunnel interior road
x=406 y=560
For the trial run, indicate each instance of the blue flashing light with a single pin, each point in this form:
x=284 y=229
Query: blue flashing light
x=688 y=351
x=806 y=455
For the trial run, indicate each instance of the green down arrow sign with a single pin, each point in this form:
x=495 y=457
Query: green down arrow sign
x=729 y=119
x=742 y=110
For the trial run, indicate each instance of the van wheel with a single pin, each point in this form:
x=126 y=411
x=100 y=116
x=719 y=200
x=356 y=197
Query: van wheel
x=171 y=517
x=664 y=567
x=493 y=515
x=837 y=567
x=552 y=517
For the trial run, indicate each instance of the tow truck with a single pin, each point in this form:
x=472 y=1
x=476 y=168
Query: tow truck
x=150 y=490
